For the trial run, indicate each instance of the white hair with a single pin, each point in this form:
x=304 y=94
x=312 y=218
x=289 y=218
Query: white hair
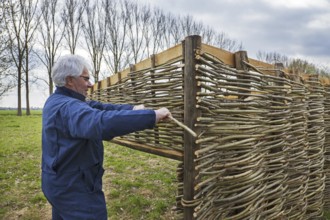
x=68 y=65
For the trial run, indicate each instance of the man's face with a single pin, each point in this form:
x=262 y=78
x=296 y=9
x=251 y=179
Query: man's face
x=80 y=84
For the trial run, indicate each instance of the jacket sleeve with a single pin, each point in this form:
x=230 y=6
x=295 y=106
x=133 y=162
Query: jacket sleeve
x=109 y=106
x=91 y=123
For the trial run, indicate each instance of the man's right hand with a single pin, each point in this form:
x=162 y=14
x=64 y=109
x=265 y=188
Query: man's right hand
x=162 y=114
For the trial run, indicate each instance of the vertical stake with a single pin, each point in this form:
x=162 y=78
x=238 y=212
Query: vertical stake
x=153 y=93
x=240 y=58
x=191 y=44
x=135 y=99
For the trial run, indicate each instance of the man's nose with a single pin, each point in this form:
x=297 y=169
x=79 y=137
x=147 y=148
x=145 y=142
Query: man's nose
x=89 y=85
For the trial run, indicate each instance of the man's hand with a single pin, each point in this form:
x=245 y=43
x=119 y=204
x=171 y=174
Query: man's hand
x=161 y=114
x=138 y=107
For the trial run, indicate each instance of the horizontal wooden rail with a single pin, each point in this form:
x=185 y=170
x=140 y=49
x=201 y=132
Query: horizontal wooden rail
x=172 y=154
x=175 y=52
x=159 y=59
x=229 y=59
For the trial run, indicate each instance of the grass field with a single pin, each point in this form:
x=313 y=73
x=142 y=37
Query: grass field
x=137 y=185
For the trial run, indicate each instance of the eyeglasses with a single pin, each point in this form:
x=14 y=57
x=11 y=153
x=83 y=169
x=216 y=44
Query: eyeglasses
x=86 y=78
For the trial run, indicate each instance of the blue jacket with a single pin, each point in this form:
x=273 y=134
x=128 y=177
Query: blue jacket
x=72 y=134
x=73 y=130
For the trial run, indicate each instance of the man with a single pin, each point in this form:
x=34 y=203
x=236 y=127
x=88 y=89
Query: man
x=72 y=134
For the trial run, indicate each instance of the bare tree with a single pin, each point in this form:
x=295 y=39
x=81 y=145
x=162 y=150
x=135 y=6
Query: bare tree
x=153 y=37
x=117 y=51
x=7 y=81
x=170 y=28
x=31 y=21
x=72 y=18
x=138 y=19
x=293 y=65
x=273 y=57
x=95 y=33
x=208 y=35
x=13 y=25
x=51 y=35
x=222 y=41
x=299 y=66
x=174 y=29
x=20 y=24
x=190 y=27
x=323 y=70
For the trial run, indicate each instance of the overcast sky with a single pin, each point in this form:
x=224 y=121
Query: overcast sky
x=295 y=28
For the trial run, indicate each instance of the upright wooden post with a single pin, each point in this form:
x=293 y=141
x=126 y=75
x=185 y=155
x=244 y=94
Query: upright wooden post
x=135 y=100
x=153 y=93
x=133 y=77
x=108 y=90
x=279 y=66
x=240 y=58
x=191 y=44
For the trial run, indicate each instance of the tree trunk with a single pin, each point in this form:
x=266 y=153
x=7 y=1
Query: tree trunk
x=27 y=95
x=19 y=93
x=51 y=87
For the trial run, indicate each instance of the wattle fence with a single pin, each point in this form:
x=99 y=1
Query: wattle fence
x=262 y=149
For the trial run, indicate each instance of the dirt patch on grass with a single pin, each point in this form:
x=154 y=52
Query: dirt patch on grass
x=44 y=213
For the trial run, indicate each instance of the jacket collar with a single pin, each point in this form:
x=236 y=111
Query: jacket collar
x=68 y=92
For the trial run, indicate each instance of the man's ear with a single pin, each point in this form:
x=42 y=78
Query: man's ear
x=69 y=81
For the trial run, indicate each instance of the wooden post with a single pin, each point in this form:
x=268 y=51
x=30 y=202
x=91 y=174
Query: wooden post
x=108 y=90
x=135 y=100
x=191 y=44
x=279 y=66
x=153 y=93
x=119 y=90
x=132 y=69
x=240 y=58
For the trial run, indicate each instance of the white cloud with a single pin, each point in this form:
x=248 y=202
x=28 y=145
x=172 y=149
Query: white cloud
x=320 y=21
x=298 y=4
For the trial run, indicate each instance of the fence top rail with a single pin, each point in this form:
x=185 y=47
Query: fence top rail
x=159 y=59
x=176 y=52
x=267 y=68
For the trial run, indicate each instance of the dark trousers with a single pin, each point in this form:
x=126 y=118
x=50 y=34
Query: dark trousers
x=76 y=195
x=96 y=210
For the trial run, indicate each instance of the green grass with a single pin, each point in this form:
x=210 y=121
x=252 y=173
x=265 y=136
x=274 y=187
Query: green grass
x=327 y=214
x=20 y=165
x=137 y=185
